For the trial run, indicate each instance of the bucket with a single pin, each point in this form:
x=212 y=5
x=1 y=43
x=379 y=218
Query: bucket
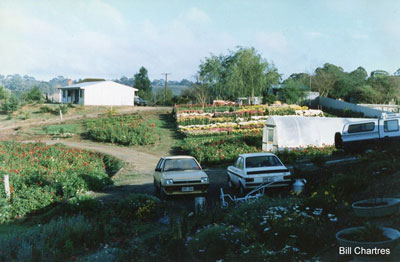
x=199 y=204
x=298 y=185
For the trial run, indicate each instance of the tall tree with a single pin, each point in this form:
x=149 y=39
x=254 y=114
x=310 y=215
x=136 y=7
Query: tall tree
x=248 y=74
x=142 y=82
x=323 y=82
x=240 y=73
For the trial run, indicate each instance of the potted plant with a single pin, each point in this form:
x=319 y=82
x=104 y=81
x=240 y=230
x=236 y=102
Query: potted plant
x=377 y=206
x=368 y=243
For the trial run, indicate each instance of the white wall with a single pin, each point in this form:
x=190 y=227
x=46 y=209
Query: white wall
x=109 y=93
x=336 y=104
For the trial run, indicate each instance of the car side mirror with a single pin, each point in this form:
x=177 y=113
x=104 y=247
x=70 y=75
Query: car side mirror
x=158 y=169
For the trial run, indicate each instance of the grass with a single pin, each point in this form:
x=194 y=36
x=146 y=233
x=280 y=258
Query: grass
x=33 y=112
x=165 y=129
x=12 y=228
x=73 y=128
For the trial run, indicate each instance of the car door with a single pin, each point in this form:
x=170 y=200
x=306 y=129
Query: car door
x=157 y=171
x=235 y=171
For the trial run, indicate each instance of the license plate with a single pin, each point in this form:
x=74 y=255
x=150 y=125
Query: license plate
x=187 y=188
x=268 y=179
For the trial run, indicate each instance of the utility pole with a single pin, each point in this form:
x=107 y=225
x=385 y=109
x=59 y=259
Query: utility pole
x=165 y=87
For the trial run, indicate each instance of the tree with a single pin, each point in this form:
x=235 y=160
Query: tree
x=142 y=82
x=248 y=74
x=212 y=73
x=292 y=91
x=378 y=73
x=35 y=95
x=202 y=93
x=4 y=94
x=240 y=73
x=159 y=97
x=11 y=105
x=323 y=82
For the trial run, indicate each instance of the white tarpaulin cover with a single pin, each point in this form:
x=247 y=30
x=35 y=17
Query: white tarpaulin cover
x=297 y=131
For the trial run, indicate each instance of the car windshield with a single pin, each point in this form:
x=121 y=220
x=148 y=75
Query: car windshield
x=262 y=161
x=181 y=164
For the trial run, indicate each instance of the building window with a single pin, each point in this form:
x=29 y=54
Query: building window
x=64 y=93
x=81 y=93
x=391 y=125
x=69 y=93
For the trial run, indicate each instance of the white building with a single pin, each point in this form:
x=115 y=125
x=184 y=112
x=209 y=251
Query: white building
x=98 y=93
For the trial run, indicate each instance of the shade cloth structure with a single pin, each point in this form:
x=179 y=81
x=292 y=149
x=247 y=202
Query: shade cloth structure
x=282 y=132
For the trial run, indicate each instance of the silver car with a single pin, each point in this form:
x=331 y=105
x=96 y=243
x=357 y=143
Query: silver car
x=252 y=170
x=177 y=175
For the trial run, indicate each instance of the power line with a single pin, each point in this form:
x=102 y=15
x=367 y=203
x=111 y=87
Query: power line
x=165 y=87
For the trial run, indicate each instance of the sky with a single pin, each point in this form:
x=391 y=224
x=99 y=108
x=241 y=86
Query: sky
x=113 y=38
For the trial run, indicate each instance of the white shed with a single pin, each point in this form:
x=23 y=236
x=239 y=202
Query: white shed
x=98 y=93
x=296 y=131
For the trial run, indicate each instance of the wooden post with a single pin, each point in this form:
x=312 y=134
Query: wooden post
x=7 y=186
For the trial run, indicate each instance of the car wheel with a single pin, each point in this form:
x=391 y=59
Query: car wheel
x=156 y=189
x=161 y=192
x=241 y=189
x=230 y=185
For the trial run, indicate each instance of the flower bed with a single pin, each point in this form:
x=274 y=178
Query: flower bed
x=220 y=149
x=41 y=174
x=124 y=130
x=194 y=121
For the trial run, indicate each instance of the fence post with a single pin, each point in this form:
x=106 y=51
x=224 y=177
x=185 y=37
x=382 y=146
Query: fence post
x=60 y=116
x=7 y=186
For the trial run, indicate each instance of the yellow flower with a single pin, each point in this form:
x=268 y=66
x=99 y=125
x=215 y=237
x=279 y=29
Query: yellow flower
x=326 y=193
x=314 y=194
x=346 y=203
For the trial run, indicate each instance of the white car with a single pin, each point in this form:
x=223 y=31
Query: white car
x=177 y=175
x=252 y=170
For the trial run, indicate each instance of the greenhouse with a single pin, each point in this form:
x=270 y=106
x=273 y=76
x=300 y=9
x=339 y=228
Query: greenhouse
x=296 y=131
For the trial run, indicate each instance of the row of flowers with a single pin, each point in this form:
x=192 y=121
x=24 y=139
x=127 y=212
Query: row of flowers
x=242 y=110
x=229 y=125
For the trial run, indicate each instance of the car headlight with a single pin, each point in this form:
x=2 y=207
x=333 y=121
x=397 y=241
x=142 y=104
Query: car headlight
x=169 y=181
x=204 y=180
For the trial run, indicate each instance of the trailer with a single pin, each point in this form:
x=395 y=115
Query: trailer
x=369 y=133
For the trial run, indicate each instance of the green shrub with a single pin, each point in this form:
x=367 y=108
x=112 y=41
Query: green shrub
x=55 y=241
x=34 y=95
x=62 y=108
x=217 y=150
x=41 y=174
x=124 y=130
x=216 y=242
x=10 y=105
x=139 y=207
x=112 y=164
x=45 y=109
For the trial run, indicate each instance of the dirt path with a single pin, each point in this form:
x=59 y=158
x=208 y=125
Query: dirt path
x=135 y=177
x=135 y=160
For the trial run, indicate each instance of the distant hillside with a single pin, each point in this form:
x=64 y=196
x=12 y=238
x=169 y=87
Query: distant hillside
x=176 y=89
x=20 y=84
